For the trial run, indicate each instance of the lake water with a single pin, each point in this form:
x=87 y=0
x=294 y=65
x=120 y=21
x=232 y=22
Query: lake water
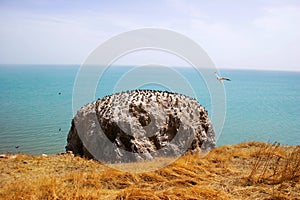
x=36 y=105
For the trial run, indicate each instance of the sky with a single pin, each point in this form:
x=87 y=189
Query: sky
x=256 y=34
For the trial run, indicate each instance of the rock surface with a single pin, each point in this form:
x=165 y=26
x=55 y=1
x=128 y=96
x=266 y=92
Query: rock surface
x=140 y=125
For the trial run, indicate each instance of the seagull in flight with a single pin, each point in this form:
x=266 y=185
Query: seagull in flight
x=221 y=78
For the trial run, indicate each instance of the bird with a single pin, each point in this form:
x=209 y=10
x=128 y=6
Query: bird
x=17 y=147
x=59 y=93
x=221 y=78
x=59 y=129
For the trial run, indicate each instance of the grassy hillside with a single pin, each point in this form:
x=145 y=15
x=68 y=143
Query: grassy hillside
x=245 y=171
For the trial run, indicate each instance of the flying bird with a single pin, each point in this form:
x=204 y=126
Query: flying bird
x=221 y=78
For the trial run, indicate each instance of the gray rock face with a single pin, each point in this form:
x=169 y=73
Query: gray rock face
x=140 y=125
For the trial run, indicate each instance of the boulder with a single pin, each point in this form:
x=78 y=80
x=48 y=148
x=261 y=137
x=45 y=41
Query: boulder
x=140 y=125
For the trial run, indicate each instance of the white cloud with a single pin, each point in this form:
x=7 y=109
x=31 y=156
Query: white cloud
x=277 y=35
x=269 y=40
x=36 y=38
x=281 y=19
x=261 y=36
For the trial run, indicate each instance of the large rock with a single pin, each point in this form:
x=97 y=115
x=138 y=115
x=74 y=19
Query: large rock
x=140 y=125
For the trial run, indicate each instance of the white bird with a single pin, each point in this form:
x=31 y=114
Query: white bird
x=221 y=78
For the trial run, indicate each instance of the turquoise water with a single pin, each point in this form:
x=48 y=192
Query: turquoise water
x=36 y=105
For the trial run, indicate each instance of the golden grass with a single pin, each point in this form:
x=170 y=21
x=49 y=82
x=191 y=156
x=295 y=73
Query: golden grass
x=245 y=171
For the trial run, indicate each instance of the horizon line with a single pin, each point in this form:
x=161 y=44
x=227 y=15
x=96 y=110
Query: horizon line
x=175 y=66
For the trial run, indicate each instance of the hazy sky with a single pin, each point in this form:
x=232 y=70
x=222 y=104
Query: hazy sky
x=255 y=34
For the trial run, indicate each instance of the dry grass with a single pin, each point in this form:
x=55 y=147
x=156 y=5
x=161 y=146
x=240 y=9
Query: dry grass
x=245 y=171
x=275 y=165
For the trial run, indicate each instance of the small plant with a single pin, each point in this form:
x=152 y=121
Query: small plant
x=291 y=167
x=265 y=159
x=276 y=165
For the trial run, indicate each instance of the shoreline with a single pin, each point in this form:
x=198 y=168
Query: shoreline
x=13 y=154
